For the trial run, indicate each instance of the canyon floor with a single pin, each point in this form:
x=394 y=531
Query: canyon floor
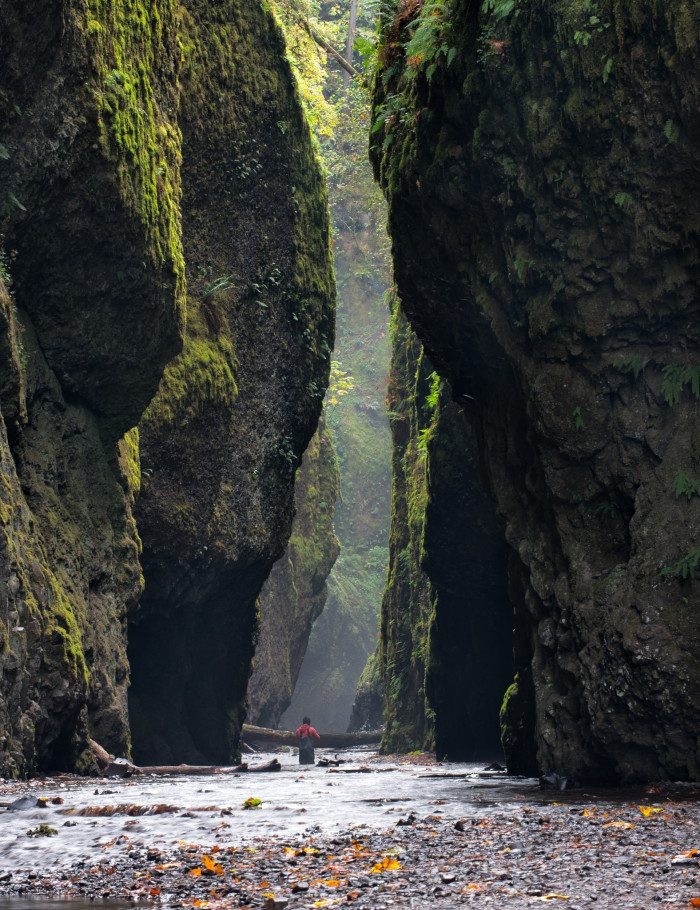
x=372 y=832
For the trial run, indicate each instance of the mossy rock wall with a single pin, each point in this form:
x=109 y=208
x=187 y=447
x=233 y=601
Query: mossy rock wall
x=295 y=593
x=143 y=145
x=445 y=649
x=221 y=442
x=95 y=313
x=541 y=178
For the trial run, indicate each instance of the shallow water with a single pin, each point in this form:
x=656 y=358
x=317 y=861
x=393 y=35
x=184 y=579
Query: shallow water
x=28 y=903
x=206 y=810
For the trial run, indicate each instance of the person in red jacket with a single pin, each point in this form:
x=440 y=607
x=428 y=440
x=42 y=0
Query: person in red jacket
x=306 y=734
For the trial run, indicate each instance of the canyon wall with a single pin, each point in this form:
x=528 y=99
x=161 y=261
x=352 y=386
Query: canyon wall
x=148 y=208
x=540 y=163
x=295 y=593
x=444 y=651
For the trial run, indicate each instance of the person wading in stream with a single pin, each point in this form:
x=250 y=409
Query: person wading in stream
x=306 y=734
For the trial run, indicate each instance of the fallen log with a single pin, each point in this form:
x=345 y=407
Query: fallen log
x=252 y=733
x=121 y=767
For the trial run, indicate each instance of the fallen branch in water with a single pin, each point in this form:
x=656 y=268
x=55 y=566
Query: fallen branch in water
x=251 y=733
x=121 y=767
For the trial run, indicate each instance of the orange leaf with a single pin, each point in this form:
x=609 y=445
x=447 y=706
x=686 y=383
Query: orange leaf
x=473 y=887
x=330 y=882
x=690 y=853
x=694 y=902
x=200 y=903
x=154 y=892
x=195 y=872
x=386 y=864
x=212 y=866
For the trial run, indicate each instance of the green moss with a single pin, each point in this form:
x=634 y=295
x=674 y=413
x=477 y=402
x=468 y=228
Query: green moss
x=131 y=42
x=203 y=375
x=63 y=626
x=130 y=460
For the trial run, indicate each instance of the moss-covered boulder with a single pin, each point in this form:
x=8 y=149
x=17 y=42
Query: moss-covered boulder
x=540 y=162
x=222 y=439
x=125 y=127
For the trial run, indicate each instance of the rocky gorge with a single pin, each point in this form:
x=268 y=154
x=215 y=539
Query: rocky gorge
x=167 y=321
x=538 y=160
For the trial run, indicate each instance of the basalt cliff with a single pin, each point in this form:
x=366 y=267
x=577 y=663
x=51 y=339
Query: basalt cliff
x=540 y=161
x=166 y=321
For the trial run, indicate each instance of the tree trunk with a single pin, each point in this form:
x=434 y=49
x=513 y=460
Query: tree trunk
x=352 y=32
x=328 y=740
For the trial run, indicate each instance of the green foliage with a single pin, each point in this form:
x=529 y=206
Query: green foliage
x=433 y=395
x=684 y=485
x=676 y=377
x=623 y=200
x=499 y=10
x=218 y=286
x=430 y=40
x=686 y=568
x=672 y=131
x=633 y=365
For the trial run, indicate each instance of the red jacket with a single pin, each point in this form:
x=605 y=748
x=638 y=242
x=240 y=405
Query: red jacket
x=306 y=730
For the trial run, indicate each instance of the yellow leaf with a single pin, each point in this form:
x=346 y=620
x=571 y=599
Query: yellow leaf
x=310 y=851
x=553 y=896
x=195 y=872
x=473 y=887
x=588 y=813
x=648 y=811
x=330 y=882
x=200 y=903
x=386 y=864
x=619 y=825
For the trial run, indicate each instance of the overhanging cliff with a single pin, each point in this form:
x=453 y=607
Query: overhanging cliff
x=144 y=147
x=540 y=162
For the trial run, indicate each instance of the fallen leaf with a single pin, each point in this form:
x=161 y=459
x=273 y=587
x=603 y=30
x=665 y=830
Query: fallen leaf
x=195 y=872
x=588 y=813
x=330 y=882
x=473 y=887
x=154 y=892
x=648 y=811
x=619 y=825
x=252 y=803
x=200 y=903
x=212 y=866
x=694 y=902
x=386 y=864
x=553 y=896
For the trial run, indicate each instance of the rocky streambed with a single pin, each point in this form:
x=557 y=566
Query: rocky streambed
x=369 y=833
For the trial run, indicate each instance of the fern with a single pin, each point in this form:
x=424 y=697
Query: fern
x=676 y=377
x=429 y=41
x=500 y=9
x=686 y=567
x=434 y=393
x=633 y=365
x=683 y=485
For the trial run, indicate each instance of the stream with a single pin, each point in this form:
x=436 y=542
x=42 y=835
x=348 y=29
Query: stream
x=113 y=832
